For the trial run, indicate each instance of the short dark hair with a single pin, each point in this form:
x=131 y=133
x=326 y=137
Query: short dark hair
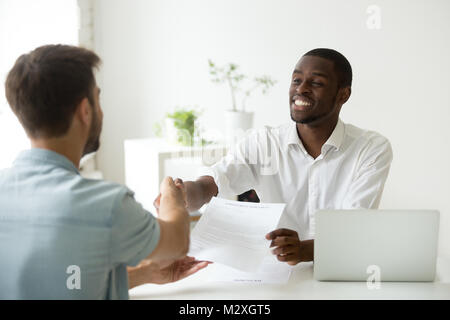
x=45 y=86
x=341 y=64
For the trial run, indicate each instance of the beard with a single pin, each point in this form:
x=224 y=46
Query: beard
x=93 y=142
x=307 y=120
x=314 y=118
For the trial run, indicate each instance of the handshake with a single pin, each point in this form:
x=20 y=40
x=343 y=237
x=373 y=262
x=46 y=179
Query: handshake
x=171 y=190
x=169 y=261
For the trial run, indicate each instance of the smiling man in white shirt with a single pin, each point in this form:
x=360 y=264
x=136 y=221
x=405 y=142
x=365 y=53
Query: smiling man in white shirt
x=316 y=162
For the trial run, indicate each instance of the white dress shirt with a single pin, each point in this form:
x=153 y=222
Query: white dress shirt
x=349 y=173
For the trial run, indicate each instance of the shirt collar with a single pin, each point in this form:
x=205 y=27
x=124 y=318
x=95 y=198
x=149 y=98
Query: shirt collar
x=293 y=138
x=337 y=136
x=44 y=155
x=335 y=140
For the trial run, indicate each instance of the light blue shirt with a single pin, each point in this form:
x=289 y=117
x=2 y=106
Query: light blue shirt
x=59 y=231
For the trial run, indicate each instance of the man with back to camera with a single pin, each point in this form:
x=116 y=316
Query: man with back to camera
x=317 y=162
x=63 y=236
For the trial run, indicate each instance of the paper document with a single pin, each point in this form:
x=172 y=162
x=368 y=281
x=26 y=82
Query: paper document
x=270 y=271
x=233 y=233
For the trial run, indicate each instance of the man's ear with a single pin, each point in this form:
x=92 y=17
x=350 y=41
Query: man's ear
x=344 y=95
x=84 y=111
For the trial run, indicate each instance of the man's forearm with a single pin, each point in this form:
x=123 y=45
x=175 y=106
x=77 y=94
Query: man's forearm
x=146 y=272
x=194 y=194
x=200 y=192
x=135 y=278
x=307 y=250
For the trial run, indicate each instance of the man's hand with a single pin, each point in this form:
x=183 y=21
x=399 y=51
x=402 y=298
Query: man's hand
x=173 y=220
x=198 y=193
x=289 y=248
x=179 y=184
x=159 y=273
x=157 y=203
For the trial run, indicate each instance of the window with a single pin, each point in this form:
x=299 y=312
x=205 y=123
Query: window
x=25 y=25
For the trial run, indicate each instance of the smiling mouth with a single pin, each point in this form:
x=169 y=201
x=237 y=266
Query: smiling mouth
x=301 y=104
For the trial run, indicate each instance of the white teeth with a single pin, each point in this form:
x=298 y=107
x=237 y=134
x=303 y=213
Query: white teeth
x=301 y=103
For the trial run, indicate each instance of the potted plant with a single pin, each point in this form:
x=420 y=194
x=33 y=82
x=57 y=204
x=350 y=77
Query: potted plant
x=238 y=117
x=180 y=126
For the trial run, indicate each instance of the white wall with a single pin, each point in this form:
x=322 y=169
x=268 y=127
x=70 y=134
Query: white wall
x=25 y=25
x=155 y=57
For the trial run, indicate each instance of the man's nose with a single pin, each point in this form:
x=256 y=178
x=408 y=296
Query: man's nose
x=303 y=88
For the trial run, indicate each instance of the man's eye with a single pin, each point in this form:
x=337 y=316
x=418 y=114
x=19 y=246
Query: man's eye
x=296 y=80
x=317 y=84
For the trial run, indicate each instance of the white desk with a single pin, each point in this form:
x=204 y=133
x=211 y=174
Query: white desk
x=301 y=286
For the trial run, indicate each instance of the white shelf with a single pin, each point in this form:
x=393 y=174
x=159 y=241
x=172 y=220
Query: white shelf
x=148 y=161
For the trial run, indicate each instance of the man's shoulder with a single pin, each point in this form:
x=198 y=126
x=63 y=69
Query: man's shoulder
x=96 y=200
x=364 y=136
x=368 y=141
x=103 y=188
x=3 y=172
x=62 y=195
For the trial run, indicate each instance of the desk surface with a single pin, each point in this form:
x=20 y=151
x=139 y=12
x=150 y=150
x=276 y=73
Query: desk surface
x=301 y=286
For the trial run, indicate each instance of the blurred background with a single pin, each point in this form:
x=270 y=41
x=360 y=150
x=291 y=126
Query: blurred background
x=155 y=58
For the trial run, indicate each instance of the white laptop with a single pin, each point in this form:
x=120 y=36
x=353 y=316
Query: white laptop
x=398 y=245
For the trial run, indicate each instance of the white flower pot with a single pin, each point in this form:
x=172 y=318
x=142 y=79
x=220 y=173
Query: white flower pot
x=237 y=121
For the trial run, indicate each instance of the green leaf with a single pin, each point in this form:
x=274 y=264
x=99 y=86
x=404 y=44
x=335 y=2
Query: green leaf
x=184 y=119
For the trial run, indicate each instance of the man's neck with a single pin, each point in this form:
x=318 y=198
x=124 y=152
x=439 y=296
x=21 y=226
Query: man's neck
x=314 y=137
x=60 y=145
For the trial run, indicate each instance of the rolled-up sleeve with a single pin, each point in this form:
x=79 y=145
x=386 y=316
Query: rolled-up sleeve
x=237 y=172
x=134 y=233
